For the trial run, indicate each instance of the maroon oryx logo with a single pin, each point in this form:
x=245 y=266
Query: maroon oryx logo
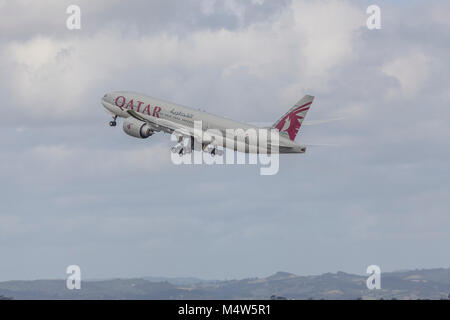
x=291 y=122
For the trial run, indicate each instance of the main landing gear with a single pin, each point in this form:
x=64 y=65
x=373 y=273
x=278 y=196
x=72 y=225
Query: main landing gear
x=113 y=123
x=180 y=150
x=184 y=146
x=213 y=151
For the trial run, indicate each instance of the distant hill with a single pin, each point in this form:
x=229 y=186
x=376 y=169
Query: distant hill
x=179 y=280
x=414 y=284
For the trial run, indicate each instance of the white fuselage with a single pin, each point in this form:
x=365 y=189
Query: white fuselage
x=156 y=110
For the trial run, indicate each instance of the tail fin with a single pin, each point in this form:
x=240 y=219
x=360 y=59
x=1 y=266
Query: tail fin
x=290 y=123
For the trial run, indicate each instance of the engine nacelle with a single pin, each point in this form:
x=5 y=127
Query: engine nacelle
x=136 y=128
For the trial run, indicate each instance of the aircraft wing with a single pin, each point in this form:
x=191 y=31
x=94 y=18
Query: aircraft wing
x=305 y=123
x=136 y=115
x=166 y=125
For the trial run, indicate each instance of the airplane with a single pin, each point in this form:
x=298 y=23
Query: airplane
x=144 y=116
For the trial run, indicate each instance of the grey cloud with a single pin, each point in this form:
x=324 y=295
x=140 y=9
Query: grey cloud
x=25 y=19
x=381 y=197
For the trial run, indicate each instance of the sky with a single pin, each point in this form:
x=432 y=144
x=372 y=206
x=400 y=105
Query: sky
x=76 y=191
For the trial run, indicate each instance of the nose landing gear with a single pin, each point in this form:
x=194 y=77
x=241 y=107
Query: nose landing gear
x=113 y=123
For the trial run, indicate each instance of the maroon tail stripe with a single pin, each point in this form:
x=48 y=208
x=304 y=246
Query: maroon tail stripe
x=299 y=110
x=306 y=104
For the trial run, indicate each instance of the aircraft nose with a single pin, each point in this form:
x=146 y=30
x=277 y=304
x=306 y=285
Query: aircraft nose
x=105 y=100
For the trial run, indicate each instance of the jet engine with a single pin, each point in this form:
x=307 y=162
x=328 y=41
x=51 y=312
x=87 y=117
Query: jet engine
x=136 y=128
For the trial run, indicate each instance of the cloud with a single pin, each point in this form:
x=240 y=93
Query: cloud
x=60 y=80
x=75 y=189
x=58 y=164
x=411 y=71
